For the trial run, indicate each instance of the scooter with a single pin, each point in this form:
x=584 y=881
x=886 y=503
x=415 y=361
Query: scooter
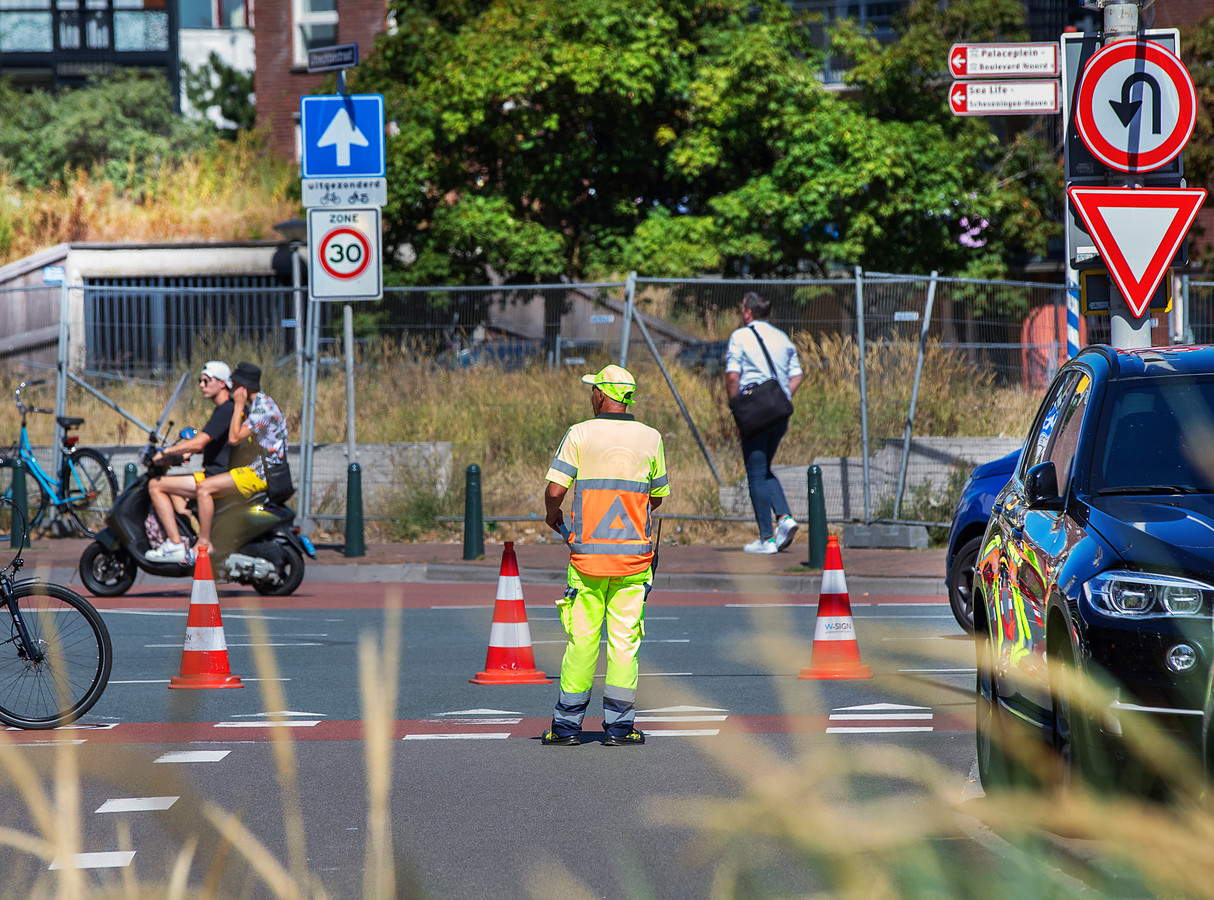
x=256 y=541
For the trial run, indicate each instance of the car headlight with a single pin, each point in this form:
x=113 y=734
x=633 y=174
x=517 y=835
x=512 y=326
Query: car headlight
x=1125 y=593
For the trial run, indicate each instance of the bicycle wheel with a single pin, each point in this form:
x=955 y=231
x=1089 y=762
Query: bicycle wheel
x=35 y=501
x=88 y=486
x=65 y=672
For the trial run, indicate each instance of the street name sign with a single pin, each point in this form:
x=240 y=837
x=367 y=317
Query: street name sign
x=1008 y=98
x=345 y=246
x=1137 y=232
x=343 y=136
x=1028 y=60
x=1136 y=106
x=339 y=56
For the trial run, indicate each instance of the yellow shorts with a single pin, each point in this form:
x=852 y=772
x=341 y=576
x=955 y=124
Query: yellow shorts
x=198 y=476
x=247 y=481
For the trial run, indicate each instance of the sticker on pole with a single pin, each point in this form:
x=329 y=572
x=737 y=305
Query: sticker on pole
x=1137 y=232
x=345 y=251
x=1136 y=106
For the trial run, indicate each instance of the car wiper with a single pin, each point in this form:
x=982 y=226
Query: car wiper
x=1152 y=489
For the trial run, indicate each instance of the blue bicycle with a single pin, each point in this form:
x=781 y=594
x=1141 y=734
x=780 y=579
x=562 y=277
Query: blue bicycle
x=86 y=487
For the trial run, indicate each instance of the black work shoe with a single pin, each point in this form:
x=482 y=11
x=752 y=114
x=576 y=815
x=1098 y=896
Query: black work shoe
x=635 y=736
x=552 y=739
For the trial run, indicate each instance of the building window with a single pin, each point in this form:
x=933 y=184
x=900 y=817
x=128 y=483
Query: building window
x=315 y=26
x=211 y=13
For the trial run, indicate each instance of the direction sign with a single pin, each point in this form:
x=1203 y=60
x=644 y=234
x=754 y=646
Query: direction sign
x=345 y=247
x=1136 y=106
x=343 y=136
x=1007 y=98
x=1137 y=233
x=1003 y=60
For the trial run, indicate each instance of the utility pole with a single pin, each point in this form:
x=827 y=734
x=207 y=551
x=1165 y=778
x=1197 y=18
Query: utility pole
x=1126 y=331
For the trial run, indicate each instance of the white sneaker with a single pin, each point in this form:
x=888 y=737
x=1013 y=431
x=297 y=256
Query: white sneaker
x=167 y=552
x=758 y=545
x=786 y=530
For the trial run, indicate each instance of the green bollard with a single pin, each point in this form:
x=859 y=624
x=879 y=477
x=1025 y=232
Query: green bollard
x=129 y=473
x=355 y=545
x=18 y=539
x=474 y=520
x=817 y=520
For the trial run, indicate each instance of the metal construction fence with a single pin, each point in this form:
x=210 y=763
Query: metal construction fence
x=879 y=326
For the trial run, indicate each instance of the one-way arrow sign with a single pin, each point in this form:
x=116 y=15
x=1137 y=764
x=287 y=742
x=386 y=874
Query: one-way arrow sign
x=1137 y=232
x=342 y=136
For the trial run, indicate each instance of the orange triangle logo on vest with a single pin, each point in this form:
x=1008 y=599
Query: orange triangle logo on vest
x=615 y=525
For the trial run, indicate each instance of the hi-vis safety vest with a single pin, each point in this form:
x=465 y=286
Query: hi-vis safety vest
x=618 y=463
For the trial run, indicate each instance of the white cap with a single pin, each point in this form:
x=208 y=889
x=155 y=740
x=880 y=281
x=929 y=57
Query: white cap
x=217 y=369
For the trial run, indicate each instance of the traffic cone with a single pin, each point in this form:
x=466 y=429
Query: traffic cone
x=204 y=659
x=836 y=653
x=510 y=660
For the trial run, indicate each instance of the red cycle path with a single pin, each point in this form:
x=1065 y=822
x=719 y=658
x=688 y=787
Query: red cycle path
x=528 y=728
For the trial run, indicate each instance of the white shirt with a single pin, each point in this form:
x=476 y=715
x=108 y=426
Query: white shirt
x=745 y=356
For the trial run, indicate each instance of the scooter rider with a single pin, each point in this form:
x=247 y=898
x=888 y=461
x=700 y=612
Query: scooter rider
x=167 y=491
x=259 y=435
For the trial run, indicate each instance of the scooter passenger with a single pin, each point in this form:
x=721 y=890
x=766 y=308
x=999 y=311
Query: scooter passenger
x=253 y=438
x=169 y=493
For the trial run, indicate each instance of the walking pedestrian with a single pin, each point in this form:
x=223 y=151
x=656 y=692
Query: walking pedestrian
x=620 y=469
x=757 y=352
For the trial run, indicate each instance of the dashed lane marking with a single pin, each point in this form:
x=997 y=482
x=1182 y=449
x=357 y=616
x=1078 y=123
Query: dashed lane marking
x=136 y=804
x=456 y=736
x=112 y=859
x=188 y=756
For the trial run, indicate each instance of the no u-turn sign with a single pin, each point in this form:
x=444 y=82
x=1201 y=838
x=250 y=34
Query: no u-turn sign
x=345 y=246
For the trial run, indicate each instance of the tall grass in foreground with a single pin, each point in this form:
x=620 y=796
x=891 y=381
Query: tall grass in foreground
x=806 y=816
x=510 y=423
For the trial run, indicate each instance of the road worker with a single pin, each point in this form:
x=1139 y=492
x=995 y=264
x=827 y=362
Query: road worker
x=620 y=469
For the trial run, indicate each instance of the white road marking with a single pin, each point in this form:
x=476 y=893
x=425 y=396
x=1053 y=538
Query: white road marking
x=878 y=717
x=283 y=712
x=268 y=644
x=938 y=671
x=480 y=712
x=289 y=723
x=48 y=743
x=488 y=721
x=185 y=756
x=691 y=732
x=677 y=709
x=641 y=718
x=467 y=736
x=113 y=859
x=889 y=729
x=136 y=804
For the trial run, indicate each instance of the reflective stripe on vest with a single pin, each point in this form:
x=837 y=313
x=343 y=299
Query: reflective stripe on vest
x=611 y=527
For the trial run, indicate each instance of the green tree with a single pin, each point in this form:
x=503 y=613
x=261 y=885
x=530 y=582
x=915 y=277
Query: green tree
x=586 y=137
x=1197 y=51
x=118 y=128
x=226 y=89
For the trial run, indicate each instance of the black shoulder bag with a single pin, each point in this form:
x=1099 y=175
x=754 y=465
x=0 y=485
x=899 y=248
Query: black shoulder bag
x=278 y=479
x=760 y=405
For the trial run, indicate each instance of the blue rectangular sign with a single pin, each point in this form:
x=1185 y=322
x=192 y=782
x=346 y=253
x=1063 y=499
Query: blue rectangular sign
x=343 y=136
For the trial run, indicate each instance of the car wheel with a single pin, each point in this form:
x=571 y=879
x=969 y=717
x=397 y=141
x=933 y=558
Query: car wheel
x=1082 y=756
x=961 y=583
x=992 y=767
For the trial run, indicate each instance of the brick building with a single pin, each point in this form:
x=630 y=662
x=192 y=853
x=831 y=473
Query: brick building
x=283 y=32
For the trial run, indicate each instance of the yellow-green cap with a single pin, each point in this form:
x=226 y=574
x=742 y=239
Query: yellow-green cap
x=614 y=381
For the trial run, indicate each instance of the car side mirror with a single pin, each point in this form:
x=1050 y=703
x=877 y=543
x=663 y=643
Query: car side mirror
x=1041 y=487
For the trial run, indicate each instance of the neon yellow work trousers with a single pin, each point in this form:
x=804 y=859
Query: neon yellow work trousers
x=589 y=602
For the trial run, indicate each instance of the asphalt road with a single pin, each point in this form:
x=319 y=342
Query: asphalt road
x=742 y=757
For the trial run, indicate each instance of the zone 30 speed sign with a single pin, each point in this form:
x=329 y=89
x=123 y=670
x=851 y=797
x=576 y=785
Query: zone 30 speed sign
x=345 y=249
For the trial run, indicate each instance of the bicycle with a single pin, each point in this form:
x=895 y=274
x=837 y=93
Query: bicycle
x=55 y=661
x=87 y=486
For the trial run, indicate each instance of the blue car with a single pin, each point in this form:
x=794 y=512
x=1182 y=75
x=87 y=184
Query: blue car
x=965 y=536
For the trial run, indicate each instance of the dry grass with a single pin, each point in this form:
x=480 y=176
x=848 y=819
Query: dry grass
x=234 y=191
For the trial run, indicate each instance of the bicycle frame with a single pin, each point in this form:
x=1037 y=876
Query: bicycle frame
x=26 y=452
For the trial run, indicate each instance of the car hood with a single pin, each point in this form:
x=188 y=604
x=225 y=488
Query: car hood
x=998 y=468
x=1166 y=532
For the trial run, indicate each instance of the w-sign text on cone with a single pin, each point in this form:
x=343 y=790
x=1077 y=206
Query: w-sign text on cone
x=204 y=659
x=510 y=659
x=836 y=652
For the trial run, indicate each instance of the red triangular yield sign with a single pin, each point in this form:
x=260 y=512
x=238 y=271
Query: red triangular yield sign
x=1137 y=231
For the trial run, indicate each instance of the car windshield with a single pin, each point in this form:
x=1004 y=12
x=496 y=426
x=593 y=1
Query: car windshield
x=1156 y=437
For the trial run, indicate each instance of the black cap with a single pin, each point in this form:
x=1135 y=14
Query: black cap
x=248 y=375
